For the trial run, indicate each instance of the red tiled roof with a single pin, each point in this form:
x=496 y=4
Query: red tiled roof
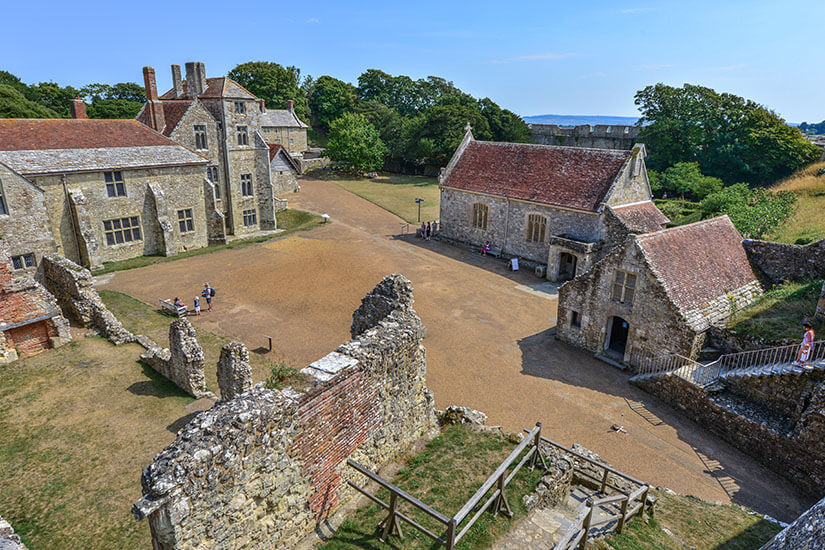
x=571 y=177
x=643 y=217
x=223 y=86
x=25 y=134
x=698 y=262
x=273 y=150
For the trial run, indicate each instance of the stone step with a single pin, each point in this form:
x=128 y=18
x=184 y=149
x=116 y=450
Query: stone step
x=610 y=361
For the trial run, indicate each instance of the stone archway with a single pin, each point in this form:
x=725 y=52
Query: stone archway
x=567 y=266
x=618 y=331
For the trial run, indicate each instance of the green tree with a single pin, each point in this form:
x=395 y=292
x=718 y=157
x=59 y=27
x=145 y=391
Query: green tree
x=122 y=100
x=685 y=178
x=731 y=138
x=114 y=108
x=329 y=99
x=52 y=96
x=274 y=84
x=754 y=212
x=356 y=143
x=433 y=137
x=13 y=104
x=8 y=78
x=505 y=125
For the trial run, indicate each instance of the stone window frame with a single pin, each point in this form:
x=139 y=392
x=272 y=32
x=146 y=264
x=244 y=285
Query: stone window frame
x=575 y=319
x=186 y=221
x=4 y=208
x=122 y=230
x=115 y=184
x=212 y=176
x=536 y=228
x=201 y=137
x=250 y=217
x=23 y=261
x=243 y=135
x=480 y=213
x=624 y=286
x=240 y=108
x=291 y=141
x=247 y=190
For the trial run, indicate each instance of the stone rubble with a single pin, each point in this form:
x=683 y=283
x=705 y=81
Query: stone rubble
x=8 y=540
x=234 y=371
x=806 y=533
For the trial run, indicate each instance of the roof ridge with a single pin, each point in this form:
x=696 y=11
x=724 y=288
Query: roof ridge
x=547 y=146
x=646 y=236
x=632 y=204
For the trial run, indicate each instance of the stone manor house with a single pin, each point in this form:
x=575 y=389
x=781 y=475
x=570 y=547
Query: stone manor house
x=563 y=207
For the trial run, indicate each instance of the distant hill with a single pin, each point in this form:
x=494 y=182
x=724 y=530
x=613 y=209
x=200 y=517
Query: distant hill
x=575 y=120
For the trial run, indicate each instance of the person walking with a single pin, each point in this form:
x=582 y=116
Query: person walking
x=429 y=230
x=807 y=343
x=422 y=230
x=208 y=293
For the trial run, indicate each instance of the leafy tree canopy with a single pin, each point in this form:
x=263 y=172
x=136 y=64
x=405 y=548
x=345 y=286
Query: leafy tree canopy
x=274 y=84
x=433 y=137
x=814 y=128
x=730 y=137
x=13 y=104
x=684 y=178
x=52 y=96
x=330 y=98
x=356 y=143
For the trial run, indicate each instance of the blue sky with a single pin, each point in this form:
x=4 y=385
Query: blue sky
x=531 y=57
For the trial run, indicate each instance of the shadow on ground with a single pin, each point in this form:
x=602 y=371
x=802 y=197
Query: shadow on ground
x=156 y=386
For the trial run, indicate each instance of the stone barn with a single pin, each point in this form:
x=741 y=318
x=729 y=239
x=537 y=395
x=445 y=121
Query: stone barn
x=658 y=293
x=284 y=170
x=546 y=205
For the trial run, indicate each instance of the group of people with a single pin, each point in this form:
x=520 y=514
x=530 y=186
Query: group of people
x=207 y=294
x=427 y=230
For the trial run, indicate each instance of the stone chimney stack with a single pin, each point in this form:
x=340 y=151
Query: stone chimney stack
x=150 y=84
x=290 y=105
x=177 y=84
x=195 y=78
x=78 y=108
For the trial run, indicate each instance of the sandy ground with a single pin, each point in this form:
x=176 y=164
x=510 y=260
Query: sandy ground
x=489 y=343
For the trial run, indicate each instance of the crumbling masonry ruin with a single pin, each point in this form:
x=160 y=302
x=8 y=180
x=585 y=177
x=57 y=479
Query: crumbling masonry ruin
x=260 y=470
x=182 y=363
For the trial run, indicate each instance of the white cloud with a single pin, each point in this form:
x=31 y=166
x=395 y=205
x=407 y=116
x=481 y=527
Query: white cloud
x=628 y=11
x=313 y=20
x=534 y=57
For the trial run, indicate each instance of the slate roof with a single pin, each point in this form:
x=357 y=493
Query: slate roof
x=698 y=262
x=282 y=118
x=571 y=177
x=57 y=161
x=173 y=112
x=275 y=149
x=642 y=217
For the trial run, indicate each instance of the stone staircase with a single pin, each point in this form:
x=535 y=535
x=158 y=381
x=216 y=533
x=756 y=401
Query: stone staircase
x=775 y=369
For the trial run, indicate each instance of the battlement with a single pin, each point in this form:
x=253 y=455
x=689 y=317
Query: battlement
x=600 y=136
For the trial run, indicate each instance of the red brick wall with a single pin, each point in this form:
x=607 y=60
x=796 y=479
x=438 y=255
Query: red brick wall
x=336 y=421
x=29 y=339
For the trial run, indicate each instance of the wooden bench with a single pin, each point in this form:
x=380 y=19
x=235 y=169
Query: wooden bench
x=168 y=307
x=495 y=252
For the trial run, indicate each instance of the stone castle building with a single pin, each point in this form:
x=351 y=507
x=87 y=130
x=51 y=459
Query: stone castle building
x=658 y=293
x=600 y=136
x=284 y=170
x=98 y=191
x=561 y=206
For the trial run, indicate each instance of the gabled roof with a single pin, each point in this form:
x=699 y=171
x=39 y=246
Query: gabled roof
x=277 y=149
x=698 y=262
x=570 y=177
x=173 y=111
x=641 y=217
x=216 y=87
x=281 y=118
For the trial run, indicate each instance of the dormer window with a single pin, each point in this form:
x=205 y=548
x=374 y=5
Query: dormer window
x=240 y=107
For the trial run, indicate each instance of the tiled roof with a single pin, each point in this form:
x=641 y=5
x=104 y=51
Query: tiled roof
x=571 y=177
x=282 y=118
x=225 y=87
x=173 y=111
x=642 y=217
x=56 y=161
x=25 y=134
x=698 y=262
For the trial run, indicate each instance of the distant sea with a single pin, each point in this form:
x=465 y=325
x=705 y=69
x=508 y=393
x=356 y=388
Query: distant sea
x=575 y=120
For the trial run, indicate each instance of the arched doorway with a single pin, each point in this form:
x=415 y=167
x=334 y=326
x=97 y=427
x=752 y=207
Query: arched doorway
x=567 y=266
x=617 y=336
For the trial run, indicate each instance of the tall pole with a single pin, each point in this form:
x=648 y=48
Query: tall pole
x=419 y=210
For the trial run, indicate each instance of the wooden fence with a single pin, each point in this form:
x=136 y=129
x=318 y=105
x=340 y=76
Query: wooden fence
x=453 y=529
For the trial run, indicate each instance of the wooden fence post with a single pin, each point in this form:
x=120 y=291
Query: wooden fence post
x=644 y=500
x=604 y=481
x=391 y=524
x=623 y=517
x=451 y=527
x=538 y=455
x=586 y=526
x=501 y=502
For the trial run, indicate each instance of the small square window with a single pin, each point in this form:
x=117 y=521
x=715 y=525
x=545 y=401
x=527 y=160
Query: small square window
x=185 y=220
x=575 y=319
x=23 y=261
x=122 y=230
x=250 y=218
x=240 y=107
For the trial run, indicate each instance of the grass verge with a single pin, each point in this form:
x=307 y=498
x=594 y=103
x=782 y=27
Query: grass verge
x=687 y=522
x=445 y=475
x=288 y=220
x=779 y=312
x=393 y=192
x=807 y=224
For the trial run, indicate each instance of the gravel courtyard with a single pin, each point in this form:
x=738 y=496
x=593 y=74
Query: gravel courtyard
x=489 y=343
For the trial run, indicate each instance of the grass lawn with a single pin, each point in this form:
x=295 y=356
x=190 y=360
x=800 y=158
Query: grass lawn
x=779 y=312
x=140 y=318
x=77 y=426
x=445 y=475
x=393 y=192
x=807 y=223
x=288 y=220
x=694 y=524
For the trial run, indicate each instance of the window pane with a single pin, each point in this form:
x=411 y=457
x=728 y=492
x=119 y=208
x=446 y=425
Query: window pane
x=107 y=176
x=110 y=189
x=182 y=226
x=628 y=294
x=29 y=260
x=135 y=221
x=121 y=189
x=190 y=225
x=617 y=291
x=3 y=206
x=17 y=261
x=107 y=225
x=119 y=237
x=110 y=239
x=118 y=176
x=630 y=280
x=116 y=224
x=620 y=277
x=180 y=214
x=136 y=233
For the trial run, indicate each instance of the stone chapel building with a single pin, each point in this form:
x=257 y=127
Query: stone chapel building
x=563 y=207
x=658 y=293
x=96 y=191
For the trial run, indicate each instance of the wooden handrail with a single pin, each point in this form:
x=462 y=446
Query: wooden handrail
x=609 y=500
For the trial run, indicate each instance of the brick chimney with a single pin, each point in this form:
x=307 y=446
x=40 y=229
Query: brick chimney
x=290 y=105
x=177 y=84
x=154 y=107
x=150 y=84
x=78 y=108
x=195 y=78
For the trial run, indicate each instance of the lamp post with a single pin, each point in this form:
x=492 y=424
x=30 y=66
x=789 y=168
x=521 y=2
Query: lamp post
x=418 y=202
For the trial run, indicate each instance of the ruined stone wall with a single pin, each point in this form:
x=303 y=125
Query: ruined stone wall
x=181 y=186
x=72 y=286
x=806 y=533
x=601 y=136
x=234 y=371
x=788 y=396
x=26 y=226
x=260 y=470
x=777 y=262
x=723 y=307
x=182 y=363
x=798 y=455
x=8 y=540
x=656 y=326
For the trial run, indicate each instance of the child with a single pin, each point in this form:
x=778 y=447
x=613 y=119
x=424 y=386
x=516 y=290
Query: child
x=486 y=248
x=807 y=343
x=197 y=306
